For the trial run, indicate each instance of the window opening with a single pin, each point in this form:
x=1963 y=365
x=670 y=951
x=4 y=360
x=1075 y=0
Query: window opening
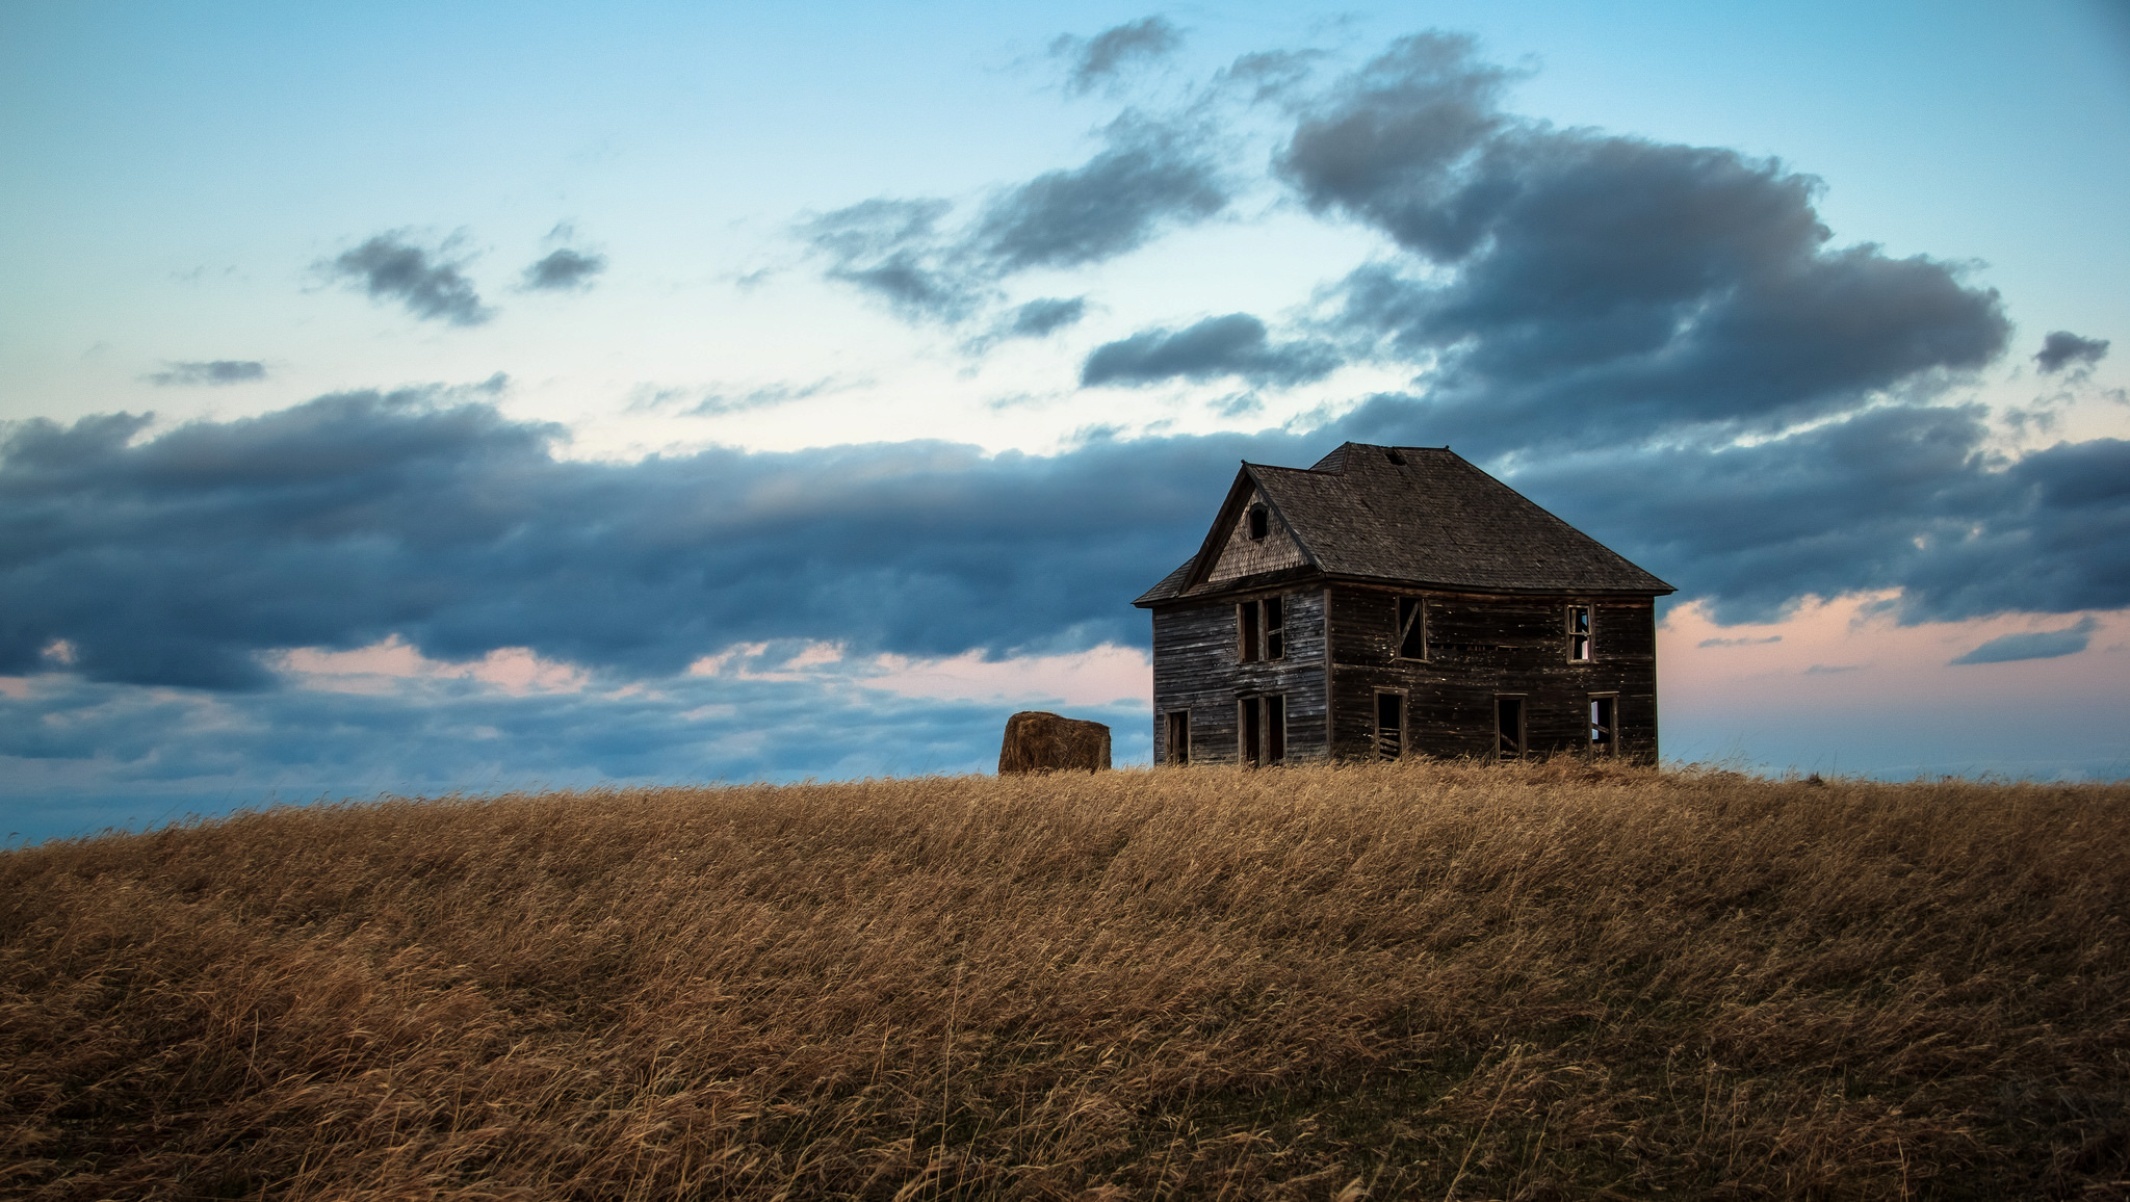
x=1275 y=730
x=1509 y=727
x=1604 y=724
x=1261 y=630
x=1179 y=737
x=1412 y=628
x=1390 y=725
x=1250 y=734
x=1260 y=523
x=1579 y=648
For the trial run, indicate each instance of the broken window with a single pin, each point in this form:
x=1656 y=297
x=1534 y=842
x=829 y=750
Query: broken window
x=1260 y=523
x=1579 y=646
x=1261 y=629
x=1262 y=731
x=1179 y=737
x=1412 y=628
x=1604 y=723
x=1509 y=727
x=1390 y=725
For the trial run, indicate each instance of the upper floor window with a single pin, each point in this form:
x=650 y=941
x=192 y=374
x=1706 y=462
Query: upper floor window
x=1262 y=625
x=1580 y=648
x=1260 y=523
x=1412 y=628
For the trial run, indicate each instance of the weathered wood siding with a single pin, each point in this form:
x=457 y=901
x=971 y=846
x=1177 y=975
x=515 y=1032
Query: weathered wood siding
x=1197 y=666
x=1244 y=556
x=1481 y=646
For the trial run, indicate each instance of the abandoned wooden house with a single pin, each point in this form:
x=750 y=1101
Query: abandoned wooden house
x=1398 y=600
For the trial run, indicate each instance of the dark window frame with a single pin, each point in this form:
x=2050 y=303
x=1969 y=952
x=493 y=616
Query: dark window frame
x=1381 y=748
x=1261 y=730
x=1261 y=630
x=1604 y=715
x=1176 y=737
x=1582 y=639
x=1407 y=623
x=1257 y=523
x=1520 y=747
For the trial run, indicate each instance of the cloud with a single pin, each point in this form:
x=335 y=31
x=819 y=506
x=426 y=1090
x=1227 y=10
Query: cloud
x=2062 y=349
x=1563 y=286
x=1148 y=177
x=1231 y=345
x=186 y=558
x=425 y=281
x=564 y=270
x=210 y=372
x=1102 y=58
x=1740 y=642
x=2038 y=644
x=1041 y=318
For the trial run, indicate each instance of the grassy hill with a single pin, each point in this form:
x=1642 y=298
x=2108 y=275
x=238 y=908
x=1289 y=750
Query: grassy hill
x=1402 y=980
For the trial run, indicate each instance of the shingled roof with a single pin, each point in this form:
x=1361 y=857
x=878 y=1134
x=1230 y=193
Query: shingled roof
x=1416 y=516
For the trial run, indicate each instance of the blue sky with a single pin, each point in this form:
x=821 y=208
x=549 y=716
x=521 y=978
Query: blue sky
x=424 y=398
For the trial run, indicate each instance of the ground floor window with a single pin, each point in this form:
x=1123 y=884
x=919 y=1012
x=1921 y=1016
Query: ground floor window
x=1262 y=731
x=1390 y=725
x=1177 y=741
x=1509 y=727
x=1604 y=723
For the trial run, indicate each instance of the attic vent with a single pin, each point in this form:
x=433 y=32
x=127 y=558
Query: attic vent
x=1259 y=523
x=1391 y=453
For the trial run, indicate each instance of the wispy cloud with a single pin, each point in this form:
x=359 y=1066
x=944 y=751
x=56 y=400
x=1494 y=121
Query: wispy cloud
x=2037 y=644
x=211 y=372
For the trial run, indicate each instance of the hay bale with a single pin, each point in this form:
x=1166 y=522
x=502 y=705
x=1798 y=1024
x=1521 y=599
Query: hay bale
x=1040 y=742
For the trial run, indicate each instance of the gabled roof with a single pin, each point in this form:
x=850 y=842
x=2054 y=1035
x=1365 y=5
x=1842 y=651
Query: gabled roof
x=1417 y=516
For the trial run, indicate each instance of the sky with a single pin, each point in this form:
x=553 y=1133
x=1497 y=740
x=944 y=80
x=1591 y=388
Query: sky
x=453 y=398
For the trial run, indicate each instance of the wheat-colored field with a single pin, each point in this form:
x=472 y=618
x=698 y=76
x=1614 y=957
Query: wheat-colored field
x=1417 y=980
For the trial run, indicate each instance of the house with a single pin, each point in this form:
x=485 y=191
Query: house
x=1393 y=601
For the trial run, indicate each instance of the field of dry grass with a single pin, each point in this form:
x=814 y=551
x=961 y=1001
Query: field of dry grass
x=1396 y=981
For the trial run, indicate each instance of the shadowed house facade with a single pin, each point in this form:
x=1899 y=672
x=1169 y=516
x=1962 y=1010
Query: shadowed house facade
x=1392 y=601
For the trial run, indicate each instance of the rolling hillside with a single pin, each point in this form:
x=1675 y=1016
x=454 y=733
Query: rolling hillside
x=1415 y=980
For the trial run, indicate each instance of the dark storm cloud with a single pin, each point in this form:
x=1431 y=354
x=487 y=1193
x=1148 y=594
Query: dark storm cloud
x=1100 y=59
x=180 y=559
x=1147 y=178
x=564 y=270
x=177 y=559
x=1897 y=497
x=429 y=285
x=1233 y=345
x=2063 y=349
x=2038 y=644
x=210 y=372
x=1567 y=285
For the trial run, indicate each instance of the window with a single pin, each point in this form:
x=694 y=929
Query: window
x=1178 y=748
x=1580 y=650
x=1412 y=628
x=1260 y=523
x=1508 y=727
x=1390 y=725
x=1604 y=723
x=1262 y=731
x=1261 y=630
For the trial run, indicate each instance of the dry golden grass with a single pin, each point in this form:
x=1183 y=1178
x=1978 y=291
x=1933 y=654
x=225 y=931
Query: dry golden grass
x=1415 y=981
